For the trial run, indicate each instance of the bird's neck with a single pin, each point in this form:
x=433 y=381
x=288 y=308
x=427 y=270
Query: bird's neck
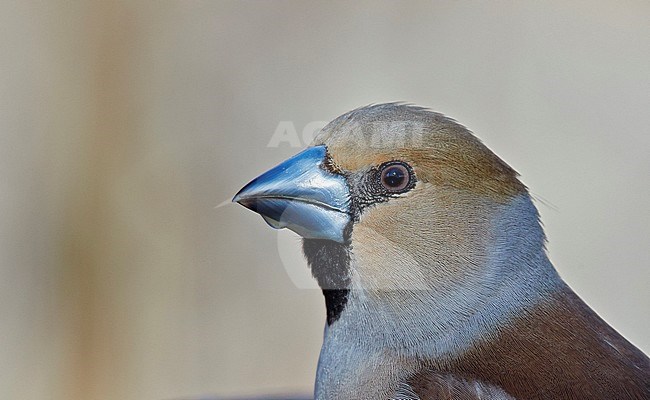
x=406 y=327
x=436 y=326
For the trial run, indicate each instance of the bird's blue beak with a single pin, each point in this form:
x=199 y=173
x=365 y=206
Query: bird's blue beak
x=303 y=195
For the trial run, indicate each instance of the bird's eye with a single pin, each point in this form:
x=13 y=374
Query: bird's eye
x=395 y=176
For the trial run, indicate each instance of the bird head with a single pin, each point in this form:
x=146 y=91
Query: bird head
x=395 y=198
x=431 y=258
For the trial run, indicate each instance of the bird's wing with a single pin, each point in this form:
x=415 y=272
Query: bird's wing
x=558 y=350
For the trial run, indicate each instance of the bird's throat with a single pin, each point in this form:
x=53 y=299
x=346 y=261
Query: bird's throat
x=330 y=264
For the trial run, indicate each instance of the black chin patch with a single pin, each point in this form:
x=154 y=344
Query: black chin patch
x=330 y=264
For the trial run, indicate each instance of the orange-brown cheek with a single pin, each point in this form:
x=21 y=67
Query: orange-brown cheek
x=427 y=237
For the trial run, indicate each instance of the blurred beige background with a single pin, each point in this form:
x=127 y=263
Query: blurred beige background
x=123 y=125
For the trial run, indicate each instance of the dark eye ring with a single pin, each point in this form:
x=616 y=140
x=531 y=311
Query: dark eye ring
x=395 y=176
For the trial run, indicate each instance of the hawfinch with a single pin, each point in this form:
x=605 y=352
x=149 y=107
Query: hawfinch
x=432 y=261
